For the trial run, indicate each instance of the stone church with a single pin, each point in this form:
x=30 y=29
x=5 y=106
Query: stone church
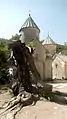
x=29 y=31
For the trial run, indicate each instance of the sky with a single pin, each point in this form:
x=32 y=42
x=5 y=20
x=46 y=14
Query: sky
x=49 y=15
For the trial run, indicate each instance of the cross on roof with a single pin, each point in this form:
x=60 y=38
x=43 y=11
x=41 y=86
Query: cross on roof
x=29 y=12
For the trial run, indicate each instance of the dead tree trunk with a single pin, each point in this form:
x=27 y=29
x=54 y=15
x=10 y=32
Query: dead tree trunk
x=25 y=64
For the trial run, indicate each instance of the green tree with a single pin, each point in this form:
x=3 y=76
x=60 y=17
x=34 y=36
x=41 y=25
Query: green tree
x=62 y=49
x=4 y=54
x=31 y=44
x=15 y=37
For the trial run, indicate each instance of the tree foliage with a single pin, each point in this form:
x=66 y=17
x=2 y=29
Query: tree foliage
x=62 y=49
x=31 y=44
x=15 y=37
x=4 y=54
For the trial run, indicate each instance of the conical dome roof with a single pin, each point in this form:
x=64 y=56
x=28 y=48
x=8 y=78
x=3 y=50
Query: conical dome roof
x=29 y=23
x=48 y=41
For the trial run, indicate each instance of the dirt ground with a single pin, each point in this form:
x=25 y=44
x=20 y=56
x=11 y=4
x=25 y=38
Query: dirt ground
x=42 y=110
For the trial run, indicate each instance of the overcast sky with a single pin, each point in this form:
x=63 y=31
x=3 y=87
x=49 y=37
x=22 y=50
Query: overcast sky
x=49 y=15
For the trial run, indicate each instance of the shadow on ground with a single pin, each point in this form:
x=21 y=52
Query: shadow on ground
x=57 y=97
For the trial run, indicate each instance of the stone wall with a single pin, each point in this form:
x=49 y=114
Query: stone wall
x=48 y=69
x=44 y=68
x=51 y=48
x=42 y=61
x=30 y=34
x=58 y=67
x=65 y=70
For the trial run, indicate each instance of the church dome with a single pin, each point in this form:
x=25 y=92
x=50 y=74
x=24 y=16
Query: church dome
x=48 y=41
x=29 y=23
x=50 y=45
x=29 y=30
